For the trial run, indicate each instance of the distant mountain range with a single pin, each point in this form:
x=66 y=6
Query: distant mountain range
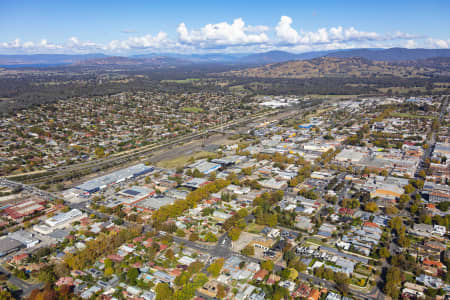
x=157 y=61
x=344 y=67
x=170 y=59
x=46 y=59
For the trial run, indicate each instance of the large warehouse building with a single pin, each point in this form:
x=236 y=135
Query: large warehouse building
x=102 y=182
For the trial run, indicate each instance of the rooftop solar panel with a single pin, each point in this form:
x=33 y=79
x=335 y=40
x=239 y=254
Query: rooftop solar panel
x=132 y=192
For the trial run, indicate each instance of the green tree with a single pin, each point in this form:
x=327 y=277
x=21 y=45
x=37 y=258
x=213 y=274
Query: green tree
x=132 y=275
x=384 y=252
x=409 y=189
x=371 y=206
x=199 y=279
x=109 y=271
x=393 y=282
x=180 y=232
x=182 y=279
x=342 y=282
x=267 y=265
x=234 y=233
x=193 y=237
x=248 y=251
x=216 y=266
x=210 y=237
x=163 y=292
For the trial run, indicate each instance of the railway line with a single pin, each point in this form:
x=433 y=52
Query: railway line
x=69 y=172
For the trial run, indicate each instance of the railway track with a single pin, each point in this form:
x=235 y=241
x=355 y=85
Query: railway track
x=63 y=173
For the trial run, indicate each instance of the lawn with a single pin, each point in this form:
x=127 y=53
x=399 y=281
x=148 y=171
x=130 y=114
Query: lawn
x=318 y=242
x=187 y=80
x=409 y=277
x=181 y=161
x=361 y=282
x=364 y=270
x=411 y=116
x=254 y=228
x=192 y=109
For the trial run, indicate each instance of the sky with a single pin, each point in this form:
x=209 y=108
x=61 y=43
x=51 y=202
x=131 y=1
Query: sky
x=137 y=27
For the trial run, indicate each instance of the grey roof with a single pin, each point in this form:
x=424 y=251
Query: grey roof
x=349 y=256
x=8 y=245
x=59 y=234
x=155 y=202
x=122 y=174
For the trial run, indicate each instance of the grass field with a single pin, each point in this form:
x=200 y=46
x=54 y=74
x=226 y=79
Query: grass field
x=183 y=160
x=237 y=88
x=411 y=116
x=254 y=228
x=316 y=241
x=364 y=270
x=315 y=96
x=192 y=109
x=187 y=80
x=402 y=90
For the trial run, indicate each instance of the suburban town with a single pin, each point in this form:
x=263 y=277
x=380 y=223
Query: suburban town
x=327 y=198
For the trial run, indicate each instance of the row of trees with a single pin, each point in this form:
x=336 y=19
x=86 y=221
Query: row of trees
x=102 y=245
x=194 y=197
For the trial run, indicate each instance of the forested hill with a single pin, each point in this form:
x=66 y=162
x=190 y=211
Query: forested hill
x=346 y=67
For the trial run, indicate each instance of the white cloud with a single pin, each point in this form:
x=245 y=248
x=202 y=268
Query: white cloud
x=232 y=37
x=139 y=42
x=285 y=32
x=438 y=43
x=411 y=44
x=223 y=34
x=289 y=35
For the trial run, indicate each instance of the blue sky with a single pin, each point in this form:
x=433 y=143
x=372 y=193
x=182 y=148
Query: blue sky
x=128 y=27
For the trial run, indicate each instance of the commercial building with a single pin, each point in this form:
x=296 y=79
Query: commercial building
x=154 y=202
x=24 y=208
x=9 y=245
x=204 y=167
x=135 y=194
x=64 y=218
x=195 y=183
x=24 y=237
x=102 y=182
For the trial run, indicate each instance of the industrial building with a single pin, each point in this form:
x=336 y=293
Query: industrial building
x=102 y=182
x=204 y=166
x=134 y=194
x=9 y=245
x=195 y=183
x=64 y=218
x=24 y=237
x=25 y=208
x=153 y=203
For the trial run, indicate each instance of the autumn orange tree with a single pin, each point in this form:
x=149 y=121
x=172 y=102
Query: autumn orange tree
x=194 y=197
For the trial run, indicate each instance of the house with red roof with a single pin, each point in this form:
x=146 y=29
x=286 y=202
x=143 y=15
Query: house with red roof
x=302 y=291
x=260 y=275
x=346 y=211
x=65 y=281
x=115 y=257
x=273 y=279
x=19 y=258
x=370 y=224
x=433 y=267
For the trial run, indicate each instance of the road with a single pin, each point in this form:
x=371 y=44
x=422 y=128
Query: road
x=62 y=173
x=432 y=142
x=221 y=249
x=25 y=287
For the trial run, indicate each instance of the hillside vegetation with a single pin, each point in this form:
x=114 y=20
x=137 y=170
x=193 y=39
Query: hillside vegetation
x=343 y=67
